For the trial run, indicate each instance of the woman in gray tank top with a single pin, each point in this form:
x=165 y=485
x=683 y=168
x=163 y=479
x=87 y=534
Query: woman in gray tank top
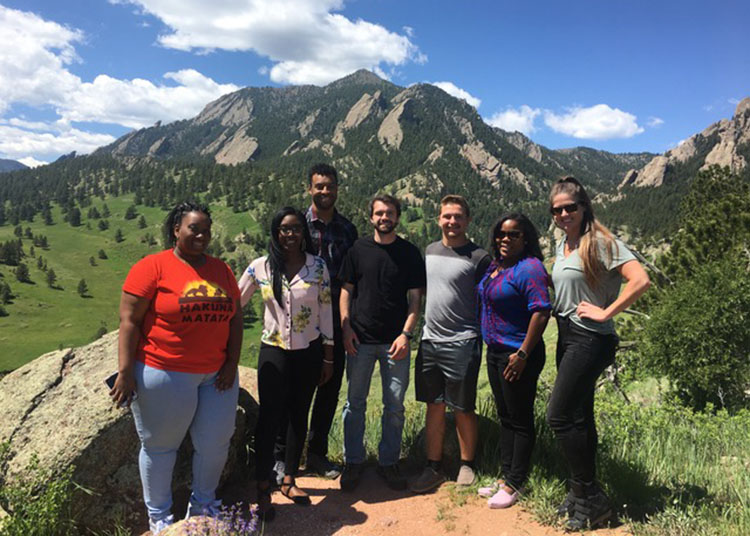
x=589 y=267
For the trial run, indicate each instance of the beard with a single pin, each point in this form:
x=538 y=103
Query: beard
x=385 y=228
x=324 y=202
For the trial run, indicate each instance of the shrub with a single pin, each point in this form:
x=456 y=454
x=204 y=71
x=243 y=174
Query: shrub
x=698 y=337
x=38 y=500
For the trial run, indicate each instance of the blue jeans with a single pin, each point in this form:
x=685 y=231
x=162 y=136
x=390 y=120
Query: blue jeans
x=395 y=379
x=168 y=405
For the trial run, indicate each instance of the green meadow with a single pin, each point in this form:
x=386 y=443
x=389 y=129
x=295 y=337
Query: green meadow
x=42 y=319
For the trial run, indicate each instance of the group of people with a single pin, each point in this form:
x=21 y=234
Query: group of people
x=334 y=301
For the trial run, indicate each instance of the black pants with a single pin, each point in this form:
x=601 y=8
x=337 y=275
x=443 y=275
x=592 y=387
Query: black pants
x=327 y=400
x=582 y=356
x=286 y=382
x=325 y=403
x=515 y=407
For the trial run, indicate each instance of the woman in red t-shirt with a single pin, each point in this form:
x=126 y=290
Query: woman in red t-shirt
x=180 y=338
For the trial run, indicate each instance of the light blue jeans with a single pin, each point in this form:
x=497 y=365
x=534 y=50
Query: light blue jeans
x=395 y=379
x=168 y=405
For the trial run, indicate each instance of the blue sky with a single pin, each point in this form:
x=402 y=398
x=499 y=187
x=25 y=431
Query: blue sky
x=613 y=75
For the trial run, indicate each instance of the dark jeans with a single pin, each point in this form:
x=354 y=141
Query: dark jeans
x=286 y=382
x=582 y=356
x=324 y=406
x=515 y=407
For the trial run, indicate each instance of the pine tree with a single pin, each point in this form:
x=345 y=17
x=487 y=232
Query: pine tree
x=83 y=288
x=51 y=278
x=102 y=255
x=142 y=222
x=92 y=261
x=118 y=236
x=22 y=273
x=6 y=294
x=131 y=213
x=103 y=225
x=74 y=217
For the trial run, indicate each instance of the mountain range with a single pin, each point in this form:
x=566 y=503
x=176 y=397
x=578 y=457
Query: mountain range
x=430 y=139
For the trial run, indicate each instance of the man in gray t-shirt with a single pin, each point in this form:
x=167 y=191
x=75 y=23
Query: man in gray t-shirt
x=450 y=354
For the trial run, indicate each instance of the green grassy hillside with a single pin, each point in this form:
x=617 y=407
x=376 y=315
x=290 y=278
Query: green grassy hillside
x=42 y=319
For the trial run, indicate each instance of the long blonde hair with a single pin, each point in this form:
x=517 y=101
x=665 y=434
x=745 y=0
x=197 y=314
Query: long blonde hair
x=591 y=232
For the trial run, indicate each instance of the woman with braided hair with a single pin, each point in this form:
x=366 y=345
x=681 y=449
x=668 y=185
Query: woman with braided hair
x=179 y=345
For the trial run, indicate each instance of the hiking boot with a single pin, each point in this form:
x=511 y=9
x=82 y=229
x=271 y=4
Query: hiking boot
x=350 y=476
x=466 y=476
x=591 y=507
x=427 y=481
x=158 y=525
x=565 y=508
x=279 y=468
x=392 y=476
x=322 y=466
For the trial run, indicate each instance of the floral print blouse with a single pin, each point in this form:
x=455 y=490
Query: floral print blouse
x=306 y=314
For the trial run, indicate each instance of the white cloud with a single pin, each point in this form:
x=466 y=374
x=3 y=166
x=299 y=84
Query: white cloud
x=655 y=122
x=34 y=72
x=512 y=120
x=139 y=103
x=307 y=40
x=452 y=89
x=56 y=139
x=32 y=162
x=599 y=122
x=33 y=59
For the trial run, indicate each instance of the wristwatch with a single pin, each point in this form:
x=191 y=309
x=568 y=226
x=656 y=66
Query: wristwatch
x=523 y=355
x=408 y=334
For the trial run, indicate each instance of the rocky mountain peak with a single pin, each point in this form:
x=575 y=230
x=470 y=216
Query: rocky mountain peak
x=362 y=77
x=743 y=108
x=724 y=143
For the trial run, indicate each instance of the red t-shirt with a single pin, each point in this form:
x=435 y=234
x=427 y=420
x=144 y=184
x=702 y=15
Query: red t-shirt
x=186 y=327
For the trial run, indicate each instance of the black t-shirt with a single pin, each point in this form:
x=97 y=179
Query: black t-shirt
x=381 y=275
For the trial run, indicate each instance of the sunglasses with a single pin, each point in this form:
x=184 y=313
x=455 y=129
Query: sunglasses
x=292 y=229
x=513 y=235
x=570 y=209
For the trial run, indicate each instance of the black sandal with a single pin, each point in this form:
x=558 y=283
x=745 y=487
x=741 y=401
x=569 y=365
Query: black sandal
x=286 y=490
x=266 y=511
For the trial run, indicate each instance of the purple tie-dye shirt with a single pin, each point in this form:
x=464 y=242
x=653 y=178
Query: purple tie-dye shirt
x=507 y=301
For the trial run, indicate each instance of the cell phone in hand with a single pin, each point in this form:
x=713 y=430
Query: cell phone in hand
x=110 y=381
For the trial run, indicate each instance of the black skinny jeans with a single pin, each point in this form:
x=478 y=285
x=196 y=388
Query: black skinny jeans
x=325 y=403
x=515 y=407
x=582 y=356
x=286 y=382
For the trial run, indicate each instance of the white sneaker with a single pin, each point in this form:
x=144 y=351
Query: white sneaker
x=158 y=525
x=212 y=509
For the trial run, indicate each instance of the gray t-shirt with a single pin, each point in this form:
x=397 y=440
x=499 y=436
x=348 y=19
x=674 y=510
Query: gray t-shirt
x=451 y=303
x=571 y=287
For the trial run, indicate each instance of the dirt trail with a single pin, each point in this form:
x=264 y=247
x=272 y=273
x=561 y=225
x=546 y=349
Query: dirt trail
x=374 y=510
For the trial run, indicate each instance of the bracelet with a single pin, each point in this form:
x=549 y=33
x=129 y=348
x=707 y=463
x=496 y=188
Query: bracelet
x=328 y=362
x=407 y=334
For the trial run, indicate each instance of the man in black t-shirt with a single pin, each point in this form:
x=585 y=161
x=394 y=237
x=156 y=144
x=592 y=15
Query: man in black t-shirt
x=383 y=279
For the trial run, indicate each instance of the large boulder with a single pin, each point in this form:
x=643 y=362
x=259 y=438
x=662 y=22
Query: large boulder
x=57 y=408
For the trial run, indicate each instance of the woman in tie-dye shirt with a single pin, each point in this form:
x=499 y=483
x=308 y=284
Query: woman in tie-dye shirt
x=514 y=310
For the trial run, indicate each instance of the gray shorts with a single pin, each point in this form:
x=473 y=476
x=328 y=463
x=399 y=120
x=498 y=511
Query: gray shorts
x=447 y=372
